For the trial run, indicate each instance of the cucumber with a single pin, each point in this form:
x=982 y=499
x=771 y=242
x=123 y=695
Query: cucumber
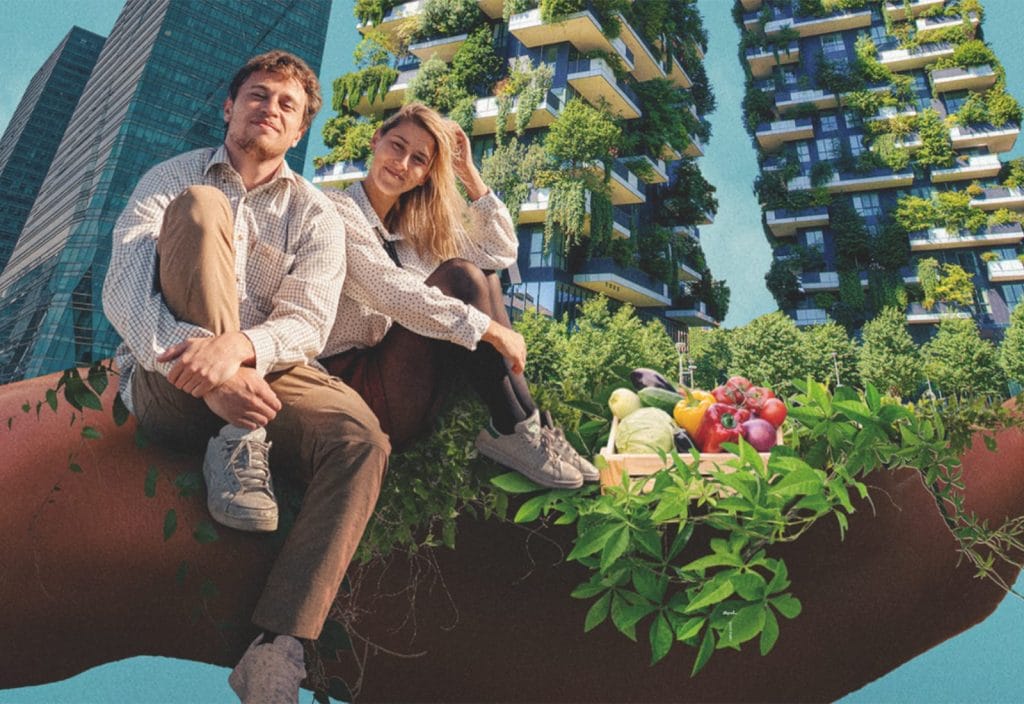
x=659 y=398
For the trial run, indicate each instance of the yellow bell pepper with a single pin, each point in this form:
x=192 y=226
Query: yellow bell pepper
x=689 y=412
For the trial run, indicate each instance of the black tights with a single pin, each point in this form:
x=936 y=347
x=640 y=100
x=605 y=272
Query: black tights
x=406 y=377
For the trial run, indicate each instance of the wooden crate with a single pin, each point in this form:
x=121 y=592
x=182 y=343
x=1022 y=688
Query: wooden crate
x=644 y=465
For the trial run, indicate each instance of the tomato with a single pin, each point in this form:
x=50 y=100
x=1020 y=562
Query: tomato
x=774 y=411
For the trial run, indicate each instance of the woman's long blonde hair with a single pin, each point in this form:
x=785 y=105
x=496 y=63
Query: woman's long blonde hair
x=432 y=216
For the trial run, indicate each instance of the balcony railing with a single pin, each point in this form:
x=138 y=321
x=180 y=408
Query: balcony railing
x=442 y=48
x=626 y=188
x=785 y=223
x=997 y=197
x=595 y=81
x=917 y=314
x=690 y=311
x=396 y=17
x=340 y=173
x=897 y=9
x=957 y=78
x=814 y=26
x=891 y=112
x=930 y=24
x=486 y=116
x=820 y=99
x=808 y=316
x=762 y=59
x=854 y=182
x=1006 y=270
x=620 y=283
x=979 y=166
x=915 y=57
x=772 y=134
x=582 y=29
x=989 y=236
x=819 y=281
x=995 y=139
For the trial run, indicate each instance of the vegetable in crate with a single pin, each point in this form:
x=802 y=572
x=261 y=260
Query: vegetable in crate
x=659 y=398
x=721 y=423
x=733 y=391
x=774 y=411
x=622 y=402
x=761 y=434
x=643 y=378
x=684 y=443
x=645 y=431
x=689 y=411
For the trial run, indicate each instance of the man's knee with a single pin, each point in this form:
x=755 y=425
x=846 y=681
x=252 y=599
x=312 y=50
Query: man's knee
x=197 y=209
x=460 y=278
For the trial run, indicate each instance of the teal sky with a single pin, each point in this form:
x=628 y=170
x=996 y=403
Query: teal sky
x=981 y=665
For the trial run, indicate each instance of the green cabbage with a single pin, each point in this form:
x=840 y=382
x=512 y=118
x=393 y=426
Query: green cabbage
x=645 y=431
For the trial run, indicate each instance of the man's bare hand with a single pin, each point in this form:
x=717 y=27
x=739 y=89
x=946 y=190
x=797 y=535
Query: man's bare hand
x=203 y=363
x=245 y=400
x=509 y=343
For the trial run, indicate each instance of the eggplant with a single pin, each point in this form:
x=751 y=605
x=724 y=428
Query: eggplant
x=642 y=378
x=683 y=441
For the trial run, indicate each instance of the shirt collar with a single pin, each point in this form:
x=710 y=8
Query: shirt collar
x=358 y=194
x=220 y=156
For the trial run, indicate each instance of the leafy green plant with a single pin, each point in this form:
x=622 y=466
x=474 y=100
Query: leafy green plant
x=959 y=362
x=888 y=357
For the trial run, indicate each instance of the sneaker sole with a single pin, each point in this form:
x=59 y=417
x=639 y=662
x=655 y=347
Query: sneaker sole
x=252 y=525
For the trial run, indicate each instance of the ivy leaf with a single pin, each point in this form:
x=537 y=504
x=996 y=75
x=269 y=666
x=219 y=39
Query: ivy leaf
x=591 y=541
x=717 y=560
x=746 y=624
x=170 y=523
x=119 y=411
x=531 y=509
x=680 y=541
x=597 y=613
x=707 y=647
x=205 y=533
x=788 y=605
x=98 y=378
x=51 y=399
x=690 y=627
x=75 y=467
x=660 y=637
x=802 y=481
x=91 y=433
x=673 y=505
x=770 y=632
x=626 y=616
x=152 y=474
x=649 y=541
x=712 y=593
x=188 y=484
x=649 y=585
x=615 y=547
x=514 y=483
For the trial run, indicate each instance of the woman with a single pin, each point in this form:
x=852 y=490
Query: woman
x=422 y=298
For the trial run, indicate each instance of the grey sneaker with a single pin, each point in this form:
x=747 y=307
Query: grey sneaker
x=556 y=438
x=269 y=673
x=526 y=452
x=239 y=493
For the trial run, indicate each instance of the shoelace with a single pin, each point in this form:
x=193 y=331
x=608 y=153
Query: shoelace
x=566 y=451
x=252 y=454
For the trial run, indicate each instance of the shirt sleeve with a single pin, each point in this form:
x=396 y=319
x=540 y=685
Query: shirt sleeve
x=374 y=280
x=131 y=300
x=306 y=302
x=493 y=244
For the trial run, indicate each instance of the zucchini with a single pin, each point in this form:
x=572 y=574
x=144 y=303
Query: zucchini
x=659 y=398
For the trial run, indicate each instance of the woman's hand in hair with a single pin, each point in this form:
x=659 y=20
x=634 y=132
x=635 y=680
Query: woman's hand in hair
x=509 y=345
x=462 y=162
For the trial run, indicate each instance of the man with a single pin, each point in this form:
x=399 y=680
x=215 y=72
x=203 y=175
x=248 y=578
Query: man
x=224 y=281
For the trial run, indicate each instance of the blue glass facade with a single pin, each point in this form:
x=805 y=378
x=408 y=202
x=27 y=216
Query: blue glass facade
x=157 y=90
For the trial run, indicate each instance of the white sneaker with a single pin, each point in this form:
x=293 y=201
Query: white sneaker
x=526 y=451
x=239 y=493
x=269 y=673
x=556 y=438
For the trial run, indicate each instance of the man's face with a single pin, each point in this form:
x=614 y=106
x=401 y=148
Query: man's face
x=265 y=118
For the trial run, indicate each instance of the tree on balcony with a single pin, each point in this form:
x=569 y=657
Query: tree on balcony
x=447 y=18
x=686 y=198
x=665 y=119
x=829 y=349
x=960 y=363
x=946 y=283
x=434 y=86
x=783 y=283
x=511 y=170
x=936 y=148
x=888 y=358
x=476 y=66
x=373 y=11
x=348 y=138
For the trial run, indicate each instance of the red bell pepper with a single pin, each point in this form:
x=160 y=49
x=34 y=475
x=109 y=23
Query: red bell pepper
x=721 y=423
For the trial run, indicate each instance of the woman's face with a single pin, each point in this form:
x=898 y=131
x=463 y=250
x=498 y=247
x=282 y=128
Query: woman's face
x=402 y=158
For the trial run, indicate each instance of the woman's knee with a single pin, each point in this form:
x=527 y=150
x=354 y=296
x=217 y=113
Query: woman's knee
x=462 y=279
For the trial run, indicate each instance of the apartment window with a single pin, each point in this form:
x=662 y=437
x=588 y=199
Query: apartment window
x=833 y=45
x=856 y=144
x=815 y=239
x=803 y=152
x=828 y=148
x=955 y=100
x=867 y=204
x=1012 y=294
x=789 y=77
x=541 y=258
x=920 y=83
x=829 y=123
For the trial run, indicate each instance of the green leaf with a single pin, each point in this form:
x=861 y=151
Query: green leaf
x=530 y=510
x=188 y=483
x=712 y=593
x=615 y=547
x=717 y=560
x=98 y=378
x=770 y=633
x=91 y=433
x=51 y=399
x=707 y=647
x=660 y=637
x=515 y=483
x=588 y=590
x=205 y=533
x=788 y=605
x=680 y=541
x=746 y=624
x=690 y=627
x=597 y=613
x=625 y=616
x=75 y=467
x=152 y=474
x=170 y=523
x=673 y=505
x=592 y=540
x=649 y=585
x=120 y=411
x=872 y=397
x=802 y=481
x=990 y=442
x=448 y=534
x=750 y=585
x=26 y=407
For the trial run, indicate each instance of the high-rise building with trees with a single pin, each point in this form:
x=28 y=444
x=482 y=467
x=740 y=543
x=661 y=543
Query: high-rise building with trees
x=157 y=90
x=37 y=126
x=880 y=125
x=586 y=118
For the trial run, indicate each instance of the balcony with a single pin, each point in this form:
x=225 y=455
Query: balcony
x=695 y=148
x=535 y=208
x=644 y=65
x=751 y=5
x=808 y=316
x=629 y=285
x=686 y=272
x=976 y=78
x=854 y=182
x=1006 y=270
x=789 y=100
x=581 y=29
x=390 y=100
x=678 y=75
x=917 y=57
x=891 y=112
x=814 y=26
x=595 y=81
x=814 y=281
x=771 y=135
x=763 y=59
x=917 y=314
x=395 y=20
x=491 y=8
x=752 y=21
x=659 y=170
x=989 y=236
x=443 y=48
x=995 y=139
x=897 y=9
x=785 y=223
x=340 y=174
x=706 y=217
x=686 y=231
x=622 y=224
x=934 y=24
x=485 y=120
x=692 y=313
x=982 y=166
x=997 y=197
x=626 y=188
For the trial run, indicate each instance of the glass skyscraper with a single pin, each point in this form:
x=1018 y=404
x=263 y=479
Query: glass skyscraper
x=36 y=128
x=157 y=90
